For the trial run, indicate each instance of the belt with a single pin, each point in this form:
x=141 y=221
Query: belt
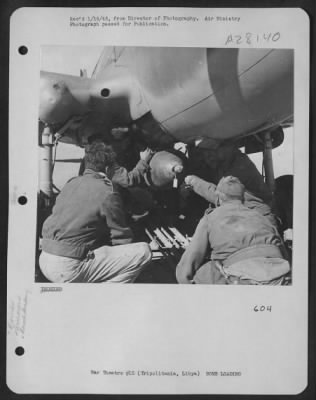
x=262 y=250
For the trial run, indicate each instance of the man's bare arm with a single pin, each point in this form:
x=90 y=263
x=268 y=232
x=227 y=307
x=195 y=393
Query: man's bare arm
x=201 y=187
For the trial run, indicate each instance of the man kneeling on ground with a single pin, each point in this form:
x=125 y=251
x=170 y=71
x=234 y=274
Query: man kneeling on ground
x=246 y=247
x=86 y=239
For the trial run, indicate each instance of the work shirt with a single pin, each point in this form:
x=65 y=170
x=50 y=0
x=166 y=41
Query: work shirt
x=88 y=214
x=120 y=176
x=228 y=229
x=207 y=190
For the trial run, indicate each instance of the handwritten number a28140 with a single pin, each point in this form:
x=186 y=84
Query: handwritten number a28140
x=250 y=38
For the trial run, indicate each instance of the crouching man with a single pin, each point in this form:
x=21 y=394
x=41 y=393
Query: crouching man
x=246 y=247
x=86 y=239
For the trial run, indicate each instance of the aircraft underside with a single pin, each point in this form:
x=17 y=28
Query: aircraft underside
x=162 y=96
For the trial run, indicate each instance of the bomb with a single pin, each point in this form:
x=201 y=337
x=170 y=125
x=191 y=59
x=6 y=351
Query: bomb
x=166 y=169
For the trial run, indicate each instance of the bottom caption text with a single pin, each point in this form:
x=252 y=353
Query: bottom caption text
x=144 y=373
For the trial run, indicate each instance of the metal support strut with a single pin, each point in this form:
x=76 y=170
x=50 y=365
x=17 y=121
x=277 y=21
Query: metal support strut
x=268 y=161
x=46 y=163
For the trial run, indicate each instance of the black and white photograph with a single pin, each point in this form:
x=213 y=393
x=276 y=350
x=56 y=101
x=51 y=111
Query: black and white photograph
x=158 y=201
x=179 y=160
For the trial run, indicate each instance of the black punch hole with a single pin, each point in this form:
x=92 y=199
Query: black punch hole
x=23 y=50
x=22 y=200
x=19 y=351
x=105 y=92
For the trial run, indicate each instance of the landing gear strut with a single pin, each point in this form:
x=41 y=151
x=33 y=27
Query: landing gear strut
x=46 y=166
x=268 y=161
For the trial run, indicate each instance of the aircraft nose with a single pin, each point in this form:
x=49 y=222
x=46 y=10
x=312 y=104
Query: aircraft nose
x=54 y=100
x=57 y=100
